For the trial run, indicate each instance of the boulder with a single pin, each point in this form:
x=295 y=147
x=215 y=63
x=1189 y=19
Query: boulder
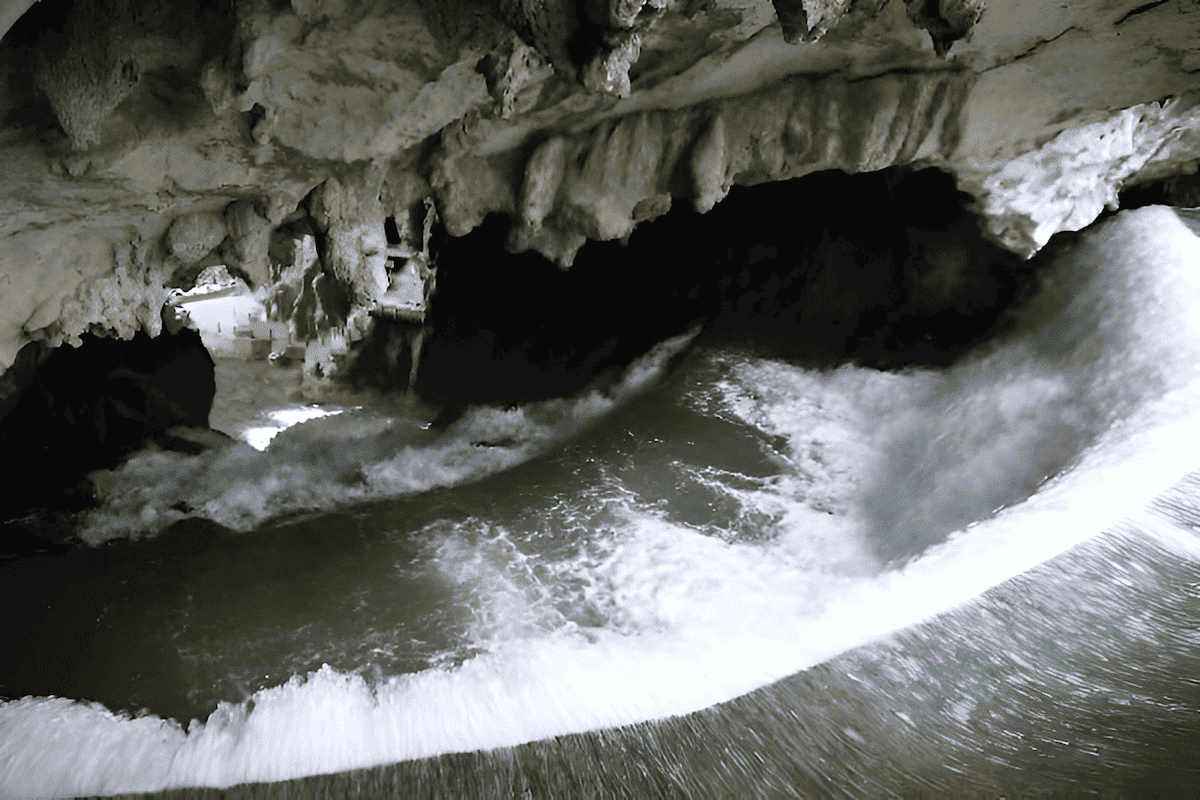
x=193 y=236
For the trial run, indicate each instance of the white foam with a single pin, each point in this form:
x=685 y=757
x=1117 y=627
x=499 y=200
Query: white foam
x=259 y=436
x=358 y=454
x=690 y=619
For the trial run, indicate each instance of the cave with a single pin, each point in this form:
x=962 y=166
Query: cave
x=921 y=289
x=630 y=398
x=511 y=328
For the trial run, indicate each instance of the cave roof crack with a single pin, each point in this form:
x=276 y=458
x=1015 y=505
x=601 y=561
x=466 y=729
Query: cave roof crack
x=1035 y=48
x=932 y=69
x=1142 y=9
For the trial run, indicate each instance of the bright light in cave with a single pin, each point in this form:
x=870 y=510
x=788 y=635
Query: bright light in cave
x=259 y=437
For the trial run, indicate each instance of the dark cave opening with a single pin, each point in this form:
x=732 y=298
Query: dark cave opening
x=886 y=269
x=1181 y=191
x=86 y=407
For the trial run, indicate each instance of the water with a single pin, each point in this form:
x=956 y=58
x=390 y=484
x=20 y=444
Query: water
x=371 y=589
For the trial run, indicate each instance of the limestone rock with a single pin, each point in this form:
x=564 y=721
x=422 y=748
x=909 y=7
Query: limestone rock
x=947 y=21
x=315 y=10
x=87 y=69
x=543 y=175
x=349 y=212
x=608 y=71
x=122 y=300
x=547 y=25
x=558 y=246
x=330 y=94
x=193 y=236
x=808 y=20
x=577 y=121
x=708 y=166
x=250 y=234
x=513 y=72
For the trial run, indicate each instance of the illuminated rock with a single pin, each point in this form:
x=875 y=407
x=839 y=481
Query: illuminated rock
x=193 y=129
x=193 y=236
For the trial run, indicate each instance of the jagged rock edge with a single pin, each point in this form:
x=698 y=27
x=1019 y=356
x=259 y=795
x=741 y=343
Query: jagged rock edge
x=566 y=189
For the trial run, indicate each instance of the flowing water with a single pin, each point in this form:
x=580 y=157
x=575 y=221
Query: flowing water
x=366 y=588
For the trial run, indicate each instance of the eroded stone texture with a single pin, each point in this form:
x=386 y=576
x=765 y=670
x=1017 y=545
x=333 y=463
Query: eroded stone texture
x=87 y=68
x=947 y=21
x=249 y=236
x=794 y=128
x=577 y=120
x=349 y=213
x=1067 y=182
x=514 y=72
x=543 y=175
x=547 y=25
x=193 y=236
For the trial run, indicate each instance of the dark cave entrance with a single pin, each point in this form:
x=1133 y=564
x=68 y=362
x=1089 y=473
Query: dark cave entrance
x=84 y=408
x=885 y=269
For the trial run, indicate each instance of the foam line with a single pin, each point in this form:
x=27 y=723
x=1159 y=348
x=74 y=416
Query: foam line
x=358 y=455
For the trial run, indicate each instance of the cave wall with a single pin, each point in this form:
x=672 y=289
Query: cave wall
x=183 y=134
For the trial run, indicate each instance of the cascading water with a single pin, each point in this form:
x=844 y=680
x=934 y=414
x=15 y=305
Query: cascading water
x=371 y=589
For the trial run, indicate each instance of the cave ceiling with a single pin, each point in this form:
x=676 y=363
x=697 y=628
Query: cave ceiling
x=140 y=139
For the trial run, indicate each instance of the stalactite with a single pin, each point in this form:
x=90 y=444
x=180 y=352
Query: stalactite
x=543 y=175
x=708 y=167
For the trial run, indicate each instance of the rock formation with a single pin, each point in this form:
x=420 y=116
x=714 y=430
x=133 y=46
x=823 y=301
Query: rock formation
x=145 y=141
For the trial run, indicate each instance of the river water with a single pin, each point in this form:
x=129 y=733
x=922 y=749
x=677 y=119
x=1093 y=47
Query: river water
x=706 y=539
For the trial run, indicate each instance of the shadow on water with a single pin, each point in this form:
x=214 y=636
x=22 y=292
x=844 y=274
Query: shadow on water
x=86 y=407
x=200 y=614
x=1043 y=687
